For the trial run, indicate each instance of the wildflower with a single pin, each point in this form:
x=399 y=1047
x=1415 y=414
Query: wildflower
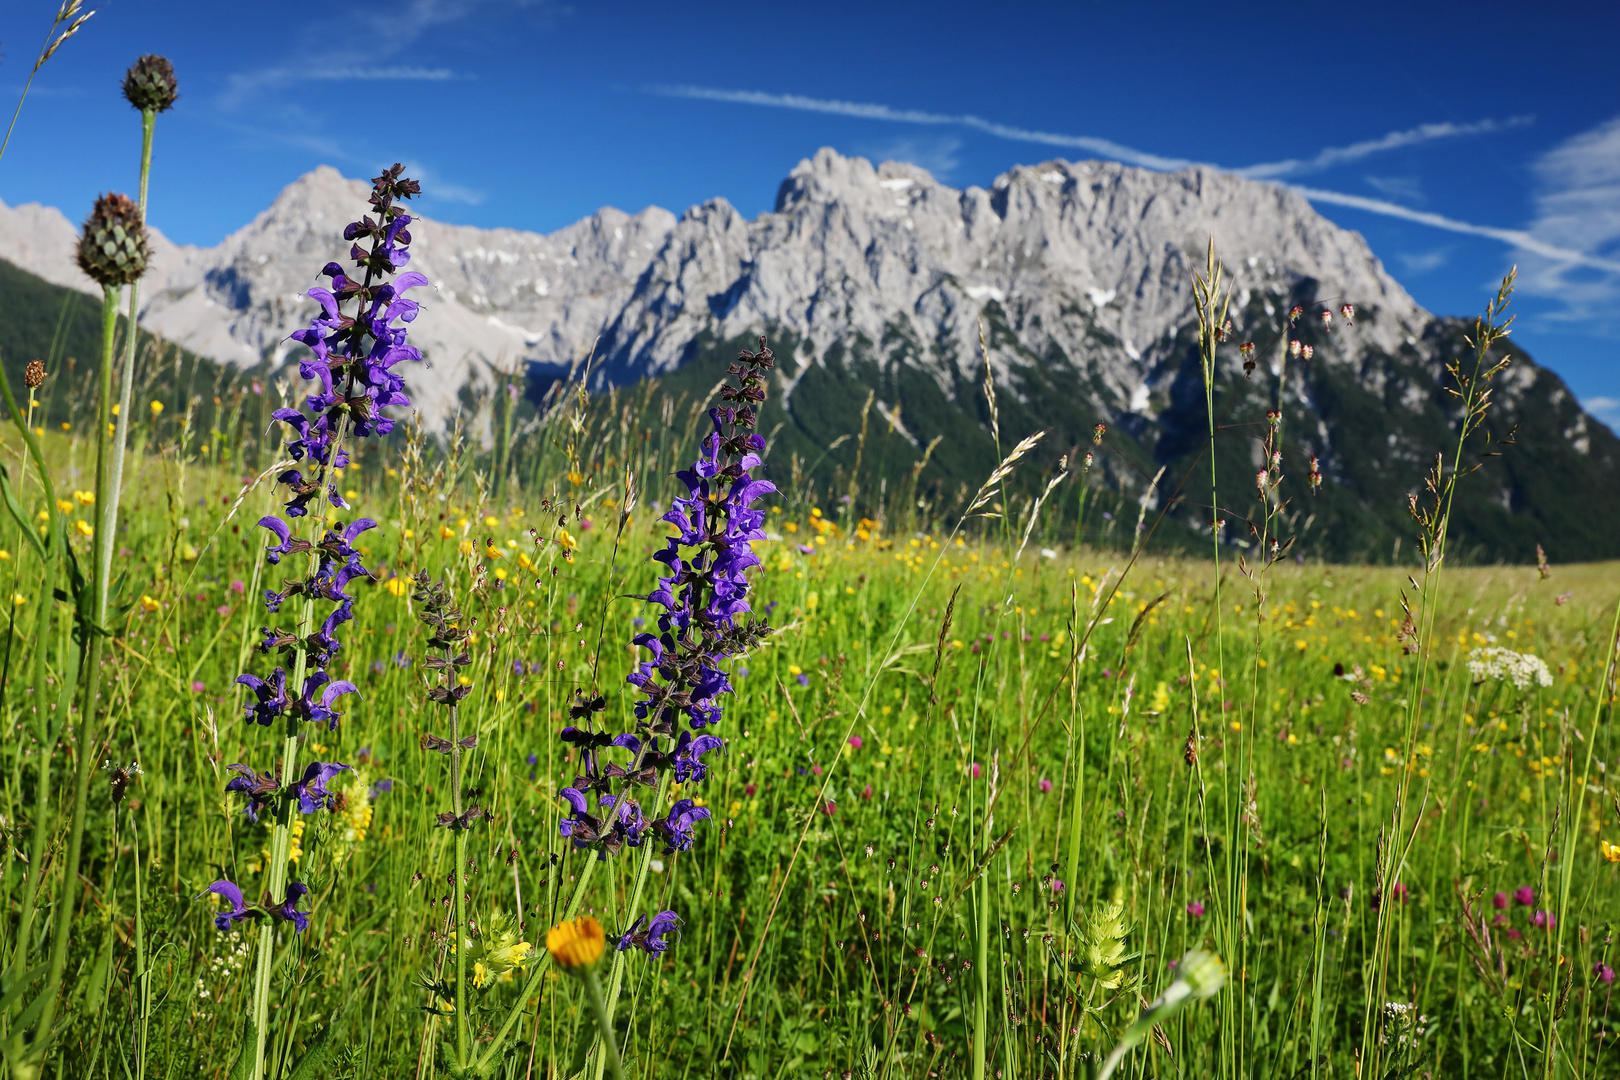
x=855 y=742
x=1499 y=901
x=649 y=939
x=287 y=910
x=113 y=245
x=1505 y=665
x=1525 y=895
x=975 y=770
x=1045 y=785
x=157 y=408
x=677 y=827
x=198 y=686
x=1195 y=908
x=1399 y=892
x=150 y=85
x=34 y=375
x=232 y=896
x=258 y=789
x=311 y=790
x=576 y=944
x=1544 y=920
x=1610 y=852
x=498 y=950
x=1602 y=972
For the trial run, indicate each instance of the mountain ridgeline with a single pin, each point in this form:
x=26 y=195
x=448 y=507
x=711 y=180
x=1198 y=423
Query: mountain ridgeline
x=873 y=285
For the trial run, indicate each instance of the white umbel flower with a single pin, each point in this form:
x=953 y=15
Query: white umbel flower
x=1505 y=665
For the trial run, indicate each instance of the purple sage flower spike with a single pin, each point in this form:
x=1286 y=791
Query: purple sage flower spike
x=311 y=790
x=233 y=897
x=288 y=911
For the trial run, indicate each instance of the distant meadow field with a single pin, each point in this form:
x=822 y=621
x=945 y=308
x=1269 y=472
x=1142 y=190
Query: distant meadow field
x=597 y=740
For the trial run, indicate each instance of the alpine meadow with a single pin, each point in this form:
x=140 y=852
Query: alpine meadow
x=917 y=674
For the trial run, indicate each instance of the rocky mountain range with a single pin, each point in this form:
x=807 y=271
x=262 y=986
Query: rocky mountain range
x=876 y=281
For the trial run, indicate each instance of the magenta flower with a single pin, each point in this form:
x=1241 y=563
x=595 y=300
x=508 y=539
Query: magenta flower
x=1195 y=909
x=1525 y=895
x=1400 y=892
x=975 y=770
x=198 y=686
x=866 y=793
x=238 y=587
x=223 y=610
x=1603 y=972
x=1544 y=919
x=855 y=742
x=830 y=809
x=1046 y=785
x=1057 y=885
x=1499 y=901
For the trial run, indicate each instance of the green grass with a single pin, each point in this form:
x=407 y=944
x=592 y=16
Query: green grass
x=831 y=907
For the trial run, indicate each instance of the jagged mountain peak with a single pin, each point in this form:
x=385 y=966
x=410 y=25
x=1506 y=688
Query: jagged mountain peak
x=876 y=278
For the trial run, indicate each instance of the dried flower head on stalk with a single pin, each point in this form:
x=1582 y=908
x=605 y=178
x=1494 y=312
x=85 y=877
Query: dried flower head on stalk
x=150 y=86
x=112 y=244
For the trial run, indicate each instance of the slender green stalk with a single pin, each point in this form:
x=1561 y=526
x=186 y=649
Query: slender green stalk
x=604 y=1025
x=93 y=624
x=109 y=509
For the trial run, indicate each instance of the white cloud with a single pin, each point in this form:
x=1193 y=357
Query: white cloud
x=1421 y=262
x=1606 y=409
x=1409 y=188
x=869 y=111
x=1525 y=240
x=1577 y=205
x=1519 y=238
x=940 y=156
x=1343 y=155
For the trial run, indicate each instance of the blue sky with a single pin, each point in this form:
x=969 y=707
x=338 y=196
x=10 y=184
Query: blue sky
x=1460 y=139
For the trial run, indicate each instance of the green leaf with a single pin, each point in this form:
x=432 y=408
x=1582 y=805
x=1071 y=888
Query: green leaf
x=243 y=1069
x=17 y=512
x=587 y=1035
x=310 y=1062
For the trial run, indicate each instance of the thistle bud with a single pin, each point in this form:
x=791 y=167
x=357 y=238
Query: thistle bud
x=149 y=84
x=34 y=375
x=112 y=247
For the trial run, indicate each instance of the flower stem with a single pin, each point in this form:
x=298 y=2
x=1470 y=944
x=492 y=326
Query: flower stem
x=85 y=743
x=460 y=874
x=604 y=1027
x=109 y=509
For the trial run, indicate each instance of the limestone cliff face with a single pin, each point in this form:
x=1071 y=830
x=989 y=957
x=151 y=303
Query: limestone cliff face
x=876 y=279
